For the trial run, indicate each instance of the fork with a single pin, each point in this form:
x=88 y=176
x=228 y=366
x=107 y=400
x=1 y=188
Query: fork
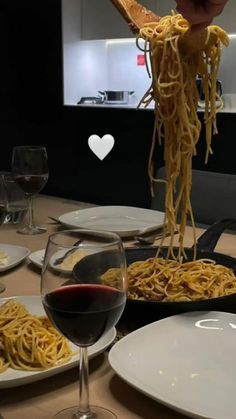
x=55 y=220
x=59 y=260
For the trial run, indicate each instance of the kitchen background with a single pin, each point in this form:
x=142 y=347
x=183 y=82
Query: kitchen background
x=99 y=49
x=52 y=54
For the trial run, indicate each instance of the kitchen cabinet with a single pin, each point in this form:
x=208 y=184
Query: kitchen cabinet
x=101 y=20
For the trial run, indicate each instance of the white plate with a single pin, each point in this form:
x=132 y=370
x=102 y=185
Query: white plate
x=37 y=257
x=186 y=362
x=16 y=255
x=126 y=221
x=13 y=378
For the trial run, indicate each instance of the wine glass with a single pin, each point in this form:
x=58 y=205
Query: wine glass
x=85 y=300
x=16 y=201
x=30 y=169
x=3 y=211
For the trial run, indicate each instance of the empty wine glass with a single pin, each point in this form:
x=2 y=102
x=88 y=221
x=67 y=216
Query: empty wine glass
x=85 y=300
x=30 y=169
x=16 y=201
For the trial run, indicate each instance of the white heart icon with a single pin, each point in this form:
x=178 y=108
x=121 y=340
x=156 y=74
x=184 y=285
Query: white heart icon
x=101 y=147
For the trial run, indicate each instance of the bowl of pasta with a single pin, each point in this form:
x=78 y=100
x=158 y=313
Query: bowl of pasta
x=160 y=287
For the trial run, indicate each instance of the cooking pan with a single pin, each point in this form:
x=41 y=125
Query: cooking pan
x=116 y=96
x=137 y=313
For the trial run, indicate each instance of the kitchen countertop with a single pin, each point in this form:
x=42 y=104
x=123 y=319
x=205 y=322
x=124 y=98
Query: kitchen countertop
x=228 y=98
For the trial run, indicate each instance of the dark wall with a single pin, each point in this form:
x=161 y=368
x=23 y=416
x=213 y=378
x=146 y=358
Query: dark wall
x=32 y=112
x=30 y=72
x=121 y=178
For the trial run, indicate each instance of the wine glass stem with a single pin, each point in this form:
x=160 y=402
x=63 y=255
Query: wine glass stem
x=84 y=408
x=30 y=211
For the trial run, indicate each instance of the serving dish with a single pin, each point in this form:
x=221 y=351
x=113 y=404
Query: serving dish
x=138 y=313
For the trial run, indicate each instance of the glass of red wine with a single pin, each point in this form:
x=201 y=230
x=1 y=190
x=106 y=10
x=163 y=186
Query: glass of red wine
x=30 y=170
x=84 y=296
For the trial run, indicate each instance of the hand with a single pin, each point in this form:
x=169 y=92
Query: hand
x=200 y=13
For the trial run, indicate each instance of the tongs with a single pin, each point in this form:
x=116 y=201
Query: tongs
x=137 y=16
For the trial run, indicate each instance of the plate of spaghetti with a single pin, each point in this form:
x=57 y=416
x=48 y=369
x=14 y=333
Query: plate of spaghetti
x=31 y=349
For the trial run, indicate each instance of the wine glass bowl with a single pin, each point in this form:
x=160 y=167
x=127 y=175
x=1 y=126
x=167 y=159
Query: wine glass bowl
x=16 y=205
x=30 y=170
x=3 y=200
x=84 y=301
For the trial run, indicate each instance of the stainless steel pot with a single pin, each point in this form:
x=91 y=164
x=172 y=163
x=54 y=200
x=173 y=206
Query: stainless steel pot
x=116 y=96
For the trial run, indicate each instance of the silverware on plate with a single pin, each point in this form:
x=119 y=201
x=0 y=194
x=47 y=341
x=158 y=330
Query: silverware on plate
x=59 y=260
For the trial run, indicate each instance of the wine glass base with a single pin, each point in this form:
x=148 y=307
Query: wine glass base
x=96 y=412
x=31 y=230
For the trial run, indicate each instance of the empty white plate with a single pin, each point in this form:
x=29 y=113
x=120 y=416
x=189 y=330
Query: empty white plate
x=186 y=362
x=125 y=221
x=16 y=254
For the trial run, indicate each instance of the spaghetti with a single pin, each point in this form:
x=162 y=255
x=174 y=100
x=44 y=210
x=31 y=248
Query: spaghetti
x=158 y=279
x=28 y=342
x=175 y=94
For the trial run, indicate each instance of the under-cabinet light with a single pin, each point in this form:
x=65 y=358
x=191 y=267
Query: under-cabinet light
x=131 y=40
x=121 y=41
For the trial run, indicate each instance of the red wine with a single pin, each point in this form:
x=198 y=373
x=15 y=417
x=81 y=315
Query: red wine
x=31 y=184
x=84 y=312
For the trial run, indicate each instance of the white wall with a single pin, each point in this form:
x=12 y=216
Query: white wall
x=227 y=19
x=71 y=25
x=123 y=71
x=227 y=70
